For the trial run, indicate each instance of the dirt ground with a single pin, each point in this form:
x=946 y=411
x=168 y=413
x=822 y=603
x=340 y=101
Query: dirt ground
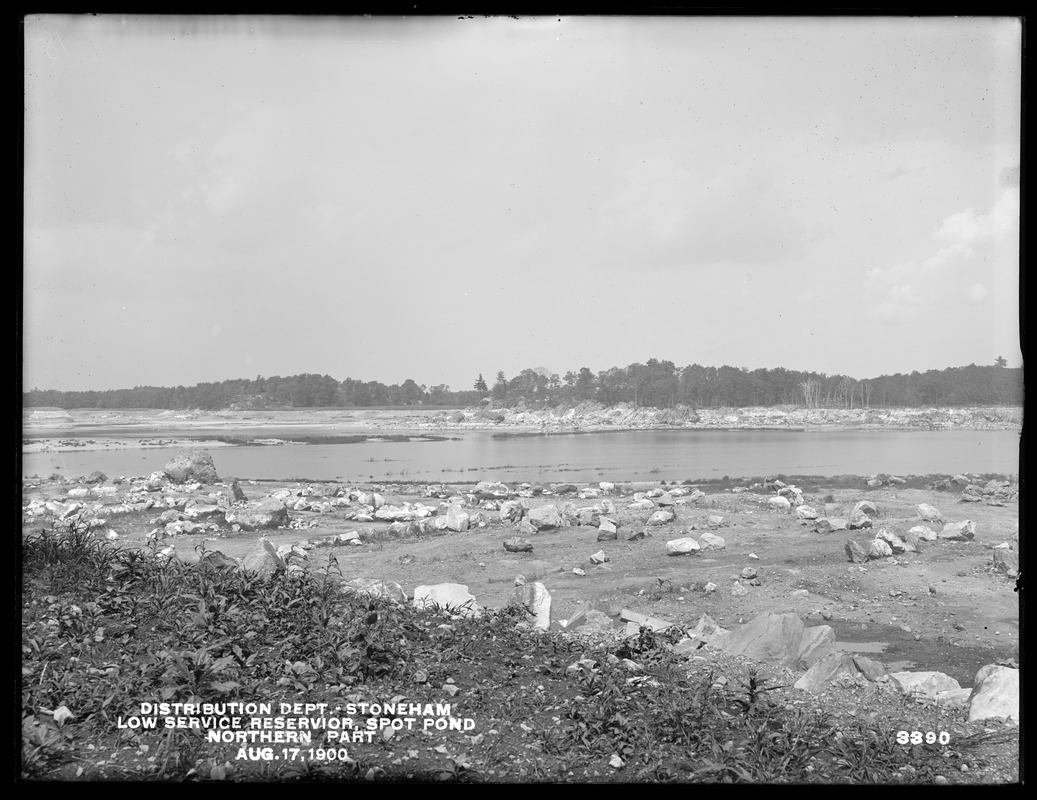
x=944 y=608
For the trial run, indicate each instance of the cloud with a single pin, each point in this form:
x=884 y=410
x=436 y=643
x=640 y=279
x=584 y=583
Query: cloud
x=967 y=229
x=973 y=244
x=664 y=214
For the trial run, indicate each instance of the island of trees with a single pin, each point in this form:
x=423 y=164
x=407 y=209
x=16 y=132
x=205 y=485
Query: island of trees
x=655 y=383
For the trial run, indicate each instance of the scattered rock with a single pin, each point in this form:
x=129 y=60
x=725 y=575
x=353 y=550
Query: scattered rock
x=191 y=465
x=545 y=518
x=750 y=572
x=925 y=684
x=928 y=513
x=709 y=541
x=374 y=587
x=836 y=664
x=537 y=600
x=511 y=511
x=779 y=503
x=995 y=693
x=855 y=552
x=780 y=639
x=879 y=549
x=682 y=546
x=263 y=559
x=1006 y=561
x=806 y=512
x=958 y=531
x=518 y=545
x=452 y=597
x=268 y=513
x=859 y=520
x=661 y=517
x=456 y=519
x=924 y=533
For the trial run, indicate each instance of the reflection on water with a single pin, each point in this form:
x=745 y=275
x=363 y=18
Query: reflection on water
x=672 y=455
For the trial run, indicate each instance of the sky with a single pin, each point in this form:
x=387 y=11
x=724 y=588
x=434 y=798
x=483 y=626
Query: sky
x=208 y=198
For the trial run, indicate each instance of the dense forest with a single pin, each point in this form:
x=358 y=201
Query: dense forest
x=655 y=383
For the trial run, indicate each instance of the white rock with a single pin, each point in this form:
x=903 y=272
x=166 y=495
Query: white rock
x=676 y=547
x=453 y=597
x=709 y=541
x=995 y=694
x=780 y=503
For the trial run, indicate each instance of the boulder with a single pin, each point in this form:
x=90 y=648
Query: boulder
x=859 y=520
x=995 y=694
x=925 y=684
x=866 y=507
x=682 y=546
x=856 y=552
x=779 y=503
x=451 y=597
x=877 y=549
x=219 y=559
x=375 y=587
x=263 y=559
x=606 y=525
x=928 y=513
x=96 y=477
x=545 y=518
x=661 y=517
x=958 y=531
x=191 y=465
x=456 y=519
x=836 y=664
x=924 y=533
x=1006 y=561
x=709 y=541
x=511 y=511
x=268 y=513
x=537 y=600
x=780 y=639
x=518 y=545
x=588 y=516
x=806 y=512
x=236 y=493
x=665 y=499
x=896 y=544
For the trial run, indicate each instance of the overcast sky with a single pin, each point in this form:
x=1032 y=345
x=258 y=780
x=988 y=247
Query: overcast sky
x=432 y=198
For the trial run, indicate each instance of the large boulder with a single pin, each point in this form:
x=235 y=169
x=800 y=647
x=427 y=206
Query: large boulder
x=859 y=520
x=929 y=513
x=925 y=684
x=452 y=597
x=856 y=552
x=266 y=514
x=456 y=519
x=682 y=546
x=537 y=600
x=263 y=559
x=995 y=694
x=710 y=541
x=661 y=517
x=963 y=531
x=545 y=518
x=837 y=664
x=191 y=465
x=877 y=548
x=1006 y=561
x=780 y=639
x=375 y=587
x=780 y=503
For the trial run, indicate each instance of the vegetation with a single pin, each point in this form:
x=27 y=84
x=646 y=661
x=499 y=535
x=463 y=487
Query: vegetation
x=655 y=383
x=105 y=629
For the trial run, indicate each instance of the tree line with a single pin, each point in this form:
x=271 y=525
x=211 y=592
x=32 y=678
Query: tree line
x=659 y=384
